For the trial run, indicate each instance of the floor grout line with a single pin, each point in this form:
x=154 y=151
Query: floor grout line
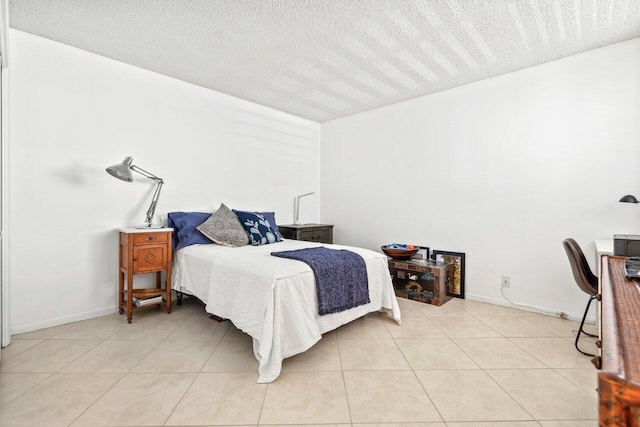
x=344 y=380
x=428 y=395
x=24 y=391
x=99 y=397
x=525 y=350
x=181 y=398
x=264 y=399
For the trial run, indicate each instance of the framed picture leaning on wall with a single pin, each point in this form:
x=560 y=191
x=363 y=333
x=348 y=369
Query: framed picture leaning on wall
x=457 y=258
x=422 y=254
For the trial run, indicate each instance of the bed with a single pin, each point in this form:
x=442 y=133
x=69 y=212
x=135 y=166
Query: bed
x=273 y=299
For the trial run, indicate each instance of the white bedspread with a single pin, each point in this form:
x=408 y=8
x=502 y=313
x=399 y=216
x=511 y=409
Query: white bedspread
x=273 y=299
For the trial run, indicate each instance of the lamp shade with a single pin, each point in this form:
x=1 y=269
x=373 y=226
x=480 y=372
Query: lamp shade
x=122 y=170
x=629 y=199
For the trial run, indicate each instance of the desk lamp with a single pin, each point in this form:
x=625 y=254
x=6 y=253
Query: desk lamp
x=123 y=171
x=629 y=199
x=296 y=208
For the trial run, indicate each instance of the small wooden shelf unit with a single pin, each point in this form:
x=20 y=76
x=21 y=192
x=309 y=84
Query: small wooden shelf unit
x=422 y=281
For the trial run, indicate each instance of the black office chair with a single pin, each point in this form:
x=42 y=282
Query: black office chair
x=585 y=279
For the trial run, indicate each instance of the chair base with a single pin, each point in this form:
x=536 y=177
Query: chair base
x=581 y=329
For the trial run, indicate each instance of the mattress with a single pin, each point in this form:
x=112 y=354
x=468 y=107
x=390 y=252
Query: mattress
x=273 y=299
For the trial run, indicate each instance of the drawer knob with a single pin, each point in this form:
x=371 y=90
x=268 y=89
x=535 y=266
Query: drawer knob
x=152 y=237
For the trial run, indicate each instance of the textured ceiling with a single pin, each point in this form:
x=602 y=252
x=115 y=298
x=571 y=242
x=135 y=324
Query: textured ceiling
x=324 y=59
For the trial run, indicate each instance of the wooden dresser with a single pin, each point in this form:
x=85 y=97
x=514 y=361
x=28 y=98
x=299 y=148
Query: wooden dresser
x=422 y=281
x=619 y=380
x=321 y=233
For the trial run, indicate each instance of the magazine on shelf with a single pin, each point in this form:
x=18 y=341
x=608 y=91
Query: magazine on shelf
x=149 y=301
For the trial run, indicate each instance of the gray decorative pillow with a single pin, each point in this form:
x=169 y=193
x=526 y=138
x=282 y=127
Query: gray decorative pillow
x=224 y=228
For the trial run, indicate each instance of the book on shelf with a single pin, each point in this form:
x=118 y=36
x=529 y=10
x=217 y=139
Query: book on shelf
x=149 y=301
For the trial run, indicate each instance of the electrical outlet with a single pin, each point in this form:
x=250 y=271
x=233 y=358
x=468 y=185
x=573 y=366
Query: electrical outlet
x=506 y=281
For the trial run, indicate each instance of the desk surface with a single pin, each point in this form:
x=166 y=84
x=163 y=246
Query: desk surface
x=619 y=380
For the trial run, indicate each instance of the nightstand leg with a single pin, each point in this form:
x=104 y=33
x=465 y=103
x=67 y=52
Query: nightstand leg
x=129 y=297
x=158 y=279
x=168 y=290
x=120 y=292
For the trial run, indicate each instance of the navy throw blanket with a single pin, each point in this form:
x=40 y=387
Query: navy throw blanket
x=341 y=277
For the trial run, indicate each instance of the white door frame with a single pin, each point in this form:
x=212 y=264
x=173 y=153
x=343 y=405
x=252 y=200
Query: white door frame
x=5 y=326
x=5 y=330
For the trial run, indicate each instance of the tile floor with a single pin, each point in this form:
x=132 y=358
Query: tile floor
x=463 y=364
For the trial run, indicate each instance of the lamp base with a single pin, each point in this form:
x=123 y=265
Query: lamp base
x=148 y=227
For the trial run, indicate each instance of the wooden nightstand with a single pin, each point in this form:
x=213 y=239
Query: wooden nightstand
x=321 y=233
x=143 y=251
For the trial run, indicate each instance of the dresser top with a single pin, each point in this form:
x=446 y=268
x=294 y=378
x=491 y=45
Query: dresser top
x=144 y=230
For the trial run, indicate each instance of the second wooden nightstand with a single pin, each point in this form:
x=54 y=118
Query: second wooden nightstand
x=143 y=250
x=321 y=233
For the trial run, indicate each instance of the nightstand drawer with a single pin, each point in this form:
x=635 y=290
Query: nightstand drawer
x=318 y=235
x=149 y=238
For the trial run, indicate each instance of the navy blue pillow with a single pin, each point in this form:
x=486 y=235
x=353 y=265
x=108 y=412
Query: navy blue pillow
x=261 y=227
x=271 y=218
x=184 y=228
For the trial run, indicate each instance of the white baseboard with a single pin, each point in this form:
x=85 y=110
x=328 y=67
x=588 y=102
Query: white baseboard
x=28 y=327
x=112 y=310
x=591 y=318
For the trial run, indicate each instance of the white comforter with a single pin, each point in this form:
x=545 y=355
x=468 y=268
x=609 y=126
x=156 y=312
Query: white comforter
x=273 y=299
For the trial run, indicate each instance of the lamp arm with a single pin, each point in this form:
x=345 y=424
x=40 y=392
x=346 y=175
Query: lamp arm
x=154 y=201
x=296 y=207
x=145 y=173
x=156 y=195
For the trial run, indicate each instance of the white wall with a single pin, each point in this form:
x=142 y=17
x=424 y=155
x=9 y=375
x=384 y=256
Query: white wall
x=74 y=113
x=503 y=170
